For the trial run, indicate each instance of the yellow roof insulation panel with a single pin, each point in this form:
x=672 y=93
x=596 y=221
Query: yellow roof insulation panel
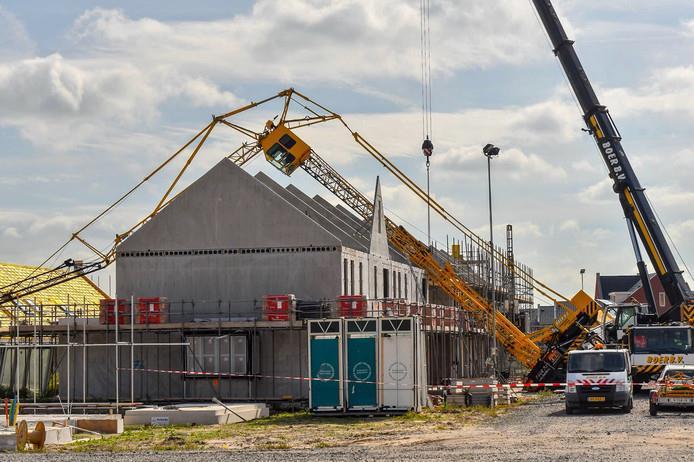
x=78 y=290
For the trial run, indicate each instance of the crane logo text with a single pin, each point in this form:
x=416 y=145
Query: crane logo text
x=613 y=161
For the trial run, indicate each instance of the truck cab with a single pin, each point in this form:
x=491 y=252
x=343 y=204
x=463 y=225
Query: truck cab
x=599 y=378
x=656 y=346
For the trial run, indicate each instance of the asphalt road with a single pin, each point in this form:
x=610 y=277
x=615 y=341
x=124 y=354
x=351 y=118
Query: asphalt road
x=537 y=432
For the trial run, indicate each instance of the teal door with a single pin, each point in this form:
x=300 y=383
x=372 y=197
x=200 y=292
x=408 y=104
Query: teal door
x=361 y=372
x=325 y=372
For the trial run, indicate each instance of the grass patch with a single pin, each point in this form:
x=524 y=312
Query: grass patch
x=290 y=430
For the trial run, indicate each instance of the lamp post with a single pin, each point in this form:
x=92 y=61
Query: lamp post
x=583 y=271
x=489 y=152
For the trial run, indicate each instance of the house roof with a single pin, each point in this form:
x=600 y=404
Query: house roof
x=620 y=283
x=78 y=290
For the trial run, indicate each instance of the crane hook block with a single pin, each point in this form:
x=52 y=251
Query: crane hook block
x=427 y=148
x=283 y=149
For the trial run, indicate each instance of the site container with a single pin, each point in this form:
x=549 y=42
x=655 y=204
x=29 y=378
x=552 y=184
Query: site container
x=279 y=307
x=352 y=306
x=107 y=310
x=325 y=365
x=152 y=310
x=402 y=371
x=361 y=361
x=367 y=365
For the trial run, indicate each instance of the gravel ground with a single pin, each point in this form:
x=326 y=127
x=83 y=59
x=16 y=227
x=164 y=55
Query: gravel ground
x=538 y=432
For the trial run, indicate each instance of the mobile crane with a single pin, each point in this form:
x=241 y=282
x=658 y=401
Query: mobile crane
x=652 y=345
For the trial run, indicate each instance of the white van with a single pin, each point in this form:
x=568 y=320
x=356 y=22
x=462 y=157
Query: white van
x=599 y=378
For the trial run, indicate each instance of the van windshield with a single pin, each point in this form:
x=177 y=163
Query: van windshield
x=607 y=361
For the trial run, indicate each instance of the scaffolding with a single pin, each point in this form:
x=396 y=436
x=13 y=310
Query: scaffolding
x=63 y=358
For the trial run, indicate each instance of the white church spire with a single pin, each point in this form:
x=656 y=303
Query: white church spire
x=379 y=237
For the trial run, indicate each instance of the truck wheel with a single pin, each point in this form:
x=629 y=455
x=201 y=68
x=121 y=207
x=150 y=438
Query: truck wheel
x=653 y=409
x=628 y=407
x=569 y=410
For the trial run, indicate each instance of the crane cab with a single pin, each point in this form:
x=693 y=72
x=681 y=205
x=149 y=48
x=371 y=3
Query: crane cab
x=283 y=149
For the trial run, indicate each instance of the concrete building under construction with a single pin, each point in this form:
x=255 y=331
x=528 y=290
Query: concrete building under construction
x=211 y=257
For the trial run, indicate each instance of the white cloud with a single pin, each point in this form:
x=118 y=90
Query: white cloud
x=14 y=40
x=515 y=164
x=308 y=40
x=668 y=91
x=599 y=192
x=569 y=225
x=670 y=196
x=11 y=232
x=49 y=98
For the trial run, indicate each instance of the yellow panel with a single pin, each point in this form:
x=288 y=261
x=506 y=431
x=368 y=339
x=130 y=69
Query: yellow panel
x=79 y=290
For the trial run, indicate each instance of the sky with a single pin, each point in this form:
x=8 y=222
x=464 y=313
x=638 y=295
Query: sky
x=95 y=94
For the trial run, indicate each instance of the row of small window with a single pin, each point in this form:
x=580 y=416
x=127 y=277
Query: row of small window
x=399 y=281
x=167 y=253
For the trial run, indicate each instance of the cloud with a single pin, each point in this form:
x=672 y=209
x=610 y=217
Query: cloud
x=569 y=225
x=668 y=91
x=46 y=98
x=14 y=39
x=670 y=196
x=514 y=164
x=309 y=40
x=600 y=192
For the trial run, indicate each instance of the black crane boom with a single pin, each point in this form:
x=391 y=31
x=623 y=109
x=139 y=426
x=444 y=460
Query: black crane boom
x=632 y=197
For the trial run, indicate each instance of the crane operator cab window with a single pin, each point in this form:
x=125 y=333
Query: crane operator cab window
x=283 y=149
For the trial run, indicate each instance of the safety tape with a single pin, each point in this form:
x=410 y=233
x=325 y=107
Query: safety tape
x=281 y=377
x=512 y=385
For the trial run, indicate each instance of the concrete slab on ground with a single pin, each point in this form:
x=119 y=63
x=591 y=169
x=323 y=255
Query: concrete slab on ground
x=199 y=414
x=54 y=435
x=111 y=424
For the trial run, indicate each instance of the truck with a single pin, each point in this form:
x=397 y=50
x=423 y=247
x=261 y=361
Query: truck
x=599 y=378
x=674 y=390
x=654 y=347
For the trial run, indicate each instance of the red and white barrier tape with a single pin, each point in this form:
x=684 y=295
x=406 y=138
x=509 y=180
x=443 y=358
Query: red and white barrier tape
x=512 y=385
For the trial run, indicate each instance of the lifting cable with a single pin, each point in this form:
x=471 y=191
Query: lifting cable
x=425 y=54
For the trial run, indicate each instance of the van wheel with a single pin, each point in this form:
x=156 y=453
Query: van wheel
x=628 y=407
x=569 y=410
x=653 y=409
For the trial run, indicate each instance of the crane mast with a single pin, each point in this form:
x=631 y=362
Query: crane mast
x=637 y=210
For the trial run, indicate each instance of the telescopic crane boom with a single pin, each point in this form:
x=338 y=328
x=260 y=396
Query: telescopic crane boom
x=637 y=210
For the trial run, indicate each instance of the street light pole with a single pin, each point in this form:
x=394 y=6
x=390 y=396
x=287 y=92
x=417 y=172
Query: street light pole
x=491 y=151
x=583 y=271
